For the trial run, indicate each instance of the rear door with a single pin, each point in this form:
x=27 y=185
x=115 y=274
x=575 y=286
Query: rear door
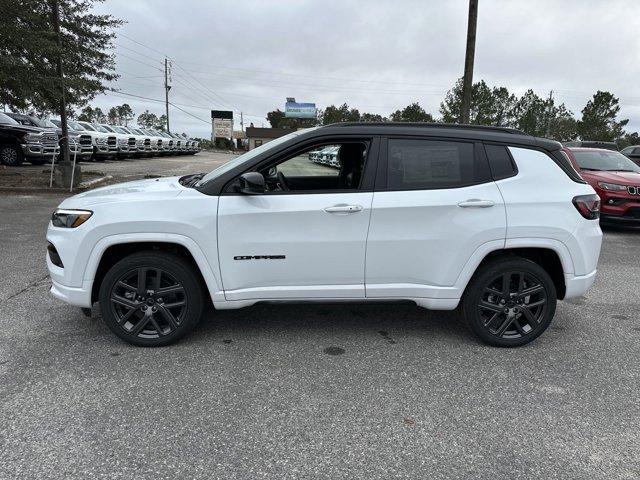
x=435 y=208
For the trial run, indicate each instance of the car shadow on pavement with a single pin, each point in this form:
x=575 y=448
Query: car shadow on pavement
x=391 y=322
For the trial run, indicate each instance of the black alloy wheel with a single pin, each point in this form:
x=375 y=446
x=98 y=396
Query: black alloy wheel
x=11 y=155
x=148 y=302
x=510 y=302
x=151 y=298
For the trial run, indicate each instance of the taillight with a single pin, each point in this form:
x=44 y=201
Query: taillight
x=588 y=206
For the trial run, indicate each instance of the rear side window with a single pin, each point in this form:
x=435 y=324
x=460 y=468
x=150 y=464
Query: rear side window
x=500 y=162
x=432 y=164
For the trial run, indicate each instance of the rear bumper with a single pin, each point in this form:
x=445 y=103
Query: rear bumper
x=577 y=285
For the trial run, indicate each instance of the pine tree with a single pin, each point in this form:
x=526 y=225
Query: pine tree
x=28 y=53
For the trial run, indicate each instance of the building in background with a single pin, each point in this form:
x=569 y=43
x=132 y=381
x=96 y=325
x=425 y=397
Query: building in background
x=259 y=136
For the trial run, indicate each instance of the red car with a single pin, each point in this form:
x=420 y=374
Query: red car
x=614 y=177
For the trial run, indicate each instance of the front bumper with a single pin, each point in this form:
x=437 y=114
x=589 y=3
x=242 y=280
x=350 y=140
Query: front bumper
x=631 y=217
x=40 y=150
x=78 y=296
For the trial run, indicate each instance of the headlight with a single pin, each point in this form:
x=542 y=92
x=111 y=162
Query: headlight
x=613 y=187
x=70 y=218
x=34 y=138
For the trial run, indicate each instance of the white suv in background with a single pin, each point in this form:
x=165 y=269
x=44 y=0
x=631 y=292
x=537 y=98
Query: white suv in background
x=485 y=218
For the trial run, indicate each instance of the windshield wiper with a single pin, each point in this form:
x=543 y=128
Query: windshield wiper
x=592 y=169
x=632 y=171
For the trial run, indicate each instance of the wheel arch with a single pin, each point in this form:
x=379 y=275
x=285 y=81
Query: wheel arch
x=545 y=256
x=112 y=249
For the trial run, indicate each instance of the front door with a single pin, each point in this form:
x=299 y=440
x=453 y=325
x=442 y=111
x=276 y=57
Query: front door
x=305 y=236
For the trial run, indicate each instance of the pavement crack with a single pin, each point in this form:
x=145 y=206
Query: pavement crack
x=30 y=285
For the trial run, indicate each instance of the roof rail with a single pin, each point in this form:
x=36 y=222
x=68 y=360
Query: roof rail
x=465 y=126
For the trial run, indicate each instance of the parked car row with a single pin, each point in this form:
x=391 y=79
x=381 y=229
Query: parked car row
x=36 y=140
x=326 y=156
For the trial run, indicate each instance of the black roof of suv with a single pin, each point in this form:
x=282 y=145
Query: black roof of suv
x=443 y=131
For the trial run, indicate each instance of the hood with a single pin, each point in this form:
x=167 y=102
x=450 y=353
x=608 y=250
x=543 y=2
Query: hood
x=620 y=178
x=140 y=190
x=25 y=128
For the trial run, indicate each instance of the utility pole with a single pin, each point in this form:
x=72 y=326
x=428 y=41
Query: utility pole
x=167 y=87
x=549 y=112
x=64 y=171
x=467 y=82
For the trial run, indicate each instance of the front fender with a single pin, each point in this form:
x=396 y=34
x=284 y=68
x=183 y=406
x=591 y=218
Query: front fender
x=205 y=264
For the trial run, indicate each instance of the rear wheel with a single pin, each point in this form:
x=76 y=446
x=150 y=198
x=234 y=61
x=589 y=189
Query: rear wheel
x=11 y=155
x=151 y=299
x=510 y=302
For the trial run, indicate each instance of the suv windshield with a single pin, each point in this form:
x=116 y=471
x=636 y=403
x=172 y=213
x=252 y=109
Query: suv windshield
x=104 y=129
x=248 y=156
x=119 y=130
x=600 y=160
x=7 y=120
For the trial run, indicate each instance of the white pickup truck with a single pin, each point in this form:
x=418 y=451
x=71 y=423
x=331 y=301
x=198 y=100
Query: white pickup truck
x=104 y=144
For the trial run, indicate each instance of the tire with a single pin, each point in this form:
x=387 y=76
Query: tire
x=146 y=316
x=11 y=155
x=513 y=316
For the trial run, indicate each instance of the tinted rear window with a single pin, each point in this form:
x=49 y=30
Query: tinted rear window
x=432 y=164
x=500 y=161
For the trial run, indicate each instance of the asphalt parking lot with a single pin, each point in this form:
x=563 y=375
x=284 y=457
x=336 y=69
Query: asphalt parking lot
x=320 y=391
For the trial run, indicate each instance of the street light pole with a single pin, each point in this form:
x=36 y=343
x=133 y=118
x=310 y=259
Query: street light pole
x=467 y=82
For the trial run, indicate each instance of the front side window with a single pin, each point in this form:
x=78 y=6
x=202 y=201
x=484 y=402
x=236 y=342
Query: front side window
x=338 y=166
x=432 y=164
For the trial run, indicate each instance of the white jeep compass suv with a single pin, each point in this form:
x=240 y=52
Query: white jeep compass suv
x=485 y=218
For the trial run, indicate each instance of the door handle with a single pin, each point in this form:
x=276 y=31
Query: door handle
x=344 y=209
x=476 y=203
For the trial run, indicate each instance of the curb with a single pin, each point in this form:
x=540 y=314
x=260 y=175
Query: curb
x=54 y=190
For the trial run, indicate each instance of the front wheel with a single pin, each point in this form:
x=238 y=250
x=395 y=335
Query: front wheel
x=11 y=155
x=151 y=299
x=510 y=302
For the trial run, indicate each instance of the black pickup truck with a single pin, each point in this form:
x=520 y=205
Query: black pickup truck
x=22 y=142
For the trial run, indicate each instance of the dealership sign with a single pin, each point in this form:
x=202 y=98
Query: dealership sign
x=299 y=110
x=222 y=123
x=222 y=127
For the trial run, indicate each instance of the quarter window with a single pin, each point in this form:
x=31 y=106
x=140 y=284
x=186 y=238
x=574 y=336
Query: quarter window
x=500 y=161
x=432 y=164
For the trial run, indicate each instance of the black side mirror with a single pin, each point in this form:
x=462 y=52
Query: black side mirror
x=252 y=183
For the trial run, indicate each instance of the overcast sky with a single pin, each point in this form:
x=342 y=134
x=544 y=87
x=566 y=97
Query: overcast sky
x=377 y=56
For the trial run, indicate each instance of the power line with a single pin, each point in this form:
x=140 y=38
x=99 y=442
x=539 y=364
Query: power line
x=142 y=97
x=137 y=52
x=139 y=61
